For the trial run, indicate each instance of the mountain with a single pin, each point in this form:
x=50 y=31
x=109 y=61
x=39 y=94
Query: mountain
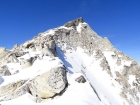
x=68 y=65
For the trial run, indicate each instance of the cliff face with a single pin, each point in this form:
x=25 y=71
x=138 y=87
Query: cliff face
x=114 y=77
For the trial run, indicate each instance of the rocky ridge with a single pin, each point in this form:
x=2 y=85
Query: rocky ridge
x=69 y=37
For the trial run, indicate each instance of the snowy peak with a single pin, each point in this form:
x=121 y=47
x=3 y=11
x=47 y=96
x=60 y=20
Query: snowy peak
x=69 y=60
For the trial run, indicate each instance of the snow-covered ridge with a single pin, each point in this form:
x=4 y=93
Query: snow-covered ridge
x=70 y=64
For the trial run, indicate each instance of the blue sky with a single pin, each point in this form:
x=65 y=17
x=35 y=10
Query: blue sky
x=119 y=20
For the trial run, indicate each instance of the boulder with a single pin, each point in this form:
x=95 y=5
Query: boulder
x=52 y=44
x=21 y=89
x=4 y=71
x=49 y=84
x=25 y=63
x=11 y=87
x=7 y=56
x=46 y=51
x=18 y=53
x=12 y=58
x=81 y=79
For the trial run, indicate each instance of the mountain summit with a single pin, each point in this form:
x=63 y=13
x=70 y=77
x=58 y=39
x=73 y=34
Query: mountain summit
x=68 y=65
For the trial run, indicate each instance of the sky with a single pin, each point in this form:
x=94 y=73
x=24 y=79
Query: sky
x=119 y=20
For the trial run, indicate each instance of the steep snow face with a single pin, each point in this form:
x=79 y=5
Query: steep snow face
x=112 y=78
x=106 y=87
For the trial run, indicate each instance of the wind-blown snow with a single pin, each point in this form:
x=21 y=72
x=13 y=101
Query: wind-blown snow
x=79 y=27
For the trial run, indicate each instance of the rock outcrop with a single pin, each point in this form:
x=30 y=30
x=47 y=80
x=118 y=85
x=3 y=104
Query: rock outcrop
x=74 y=23
x=11 y=87
x=4 y=71
x=7 y=56
x=81 y=79
x=25 y=63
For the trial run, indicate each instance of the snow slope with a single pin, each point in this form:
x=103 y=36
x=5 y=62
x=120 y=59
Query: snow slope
x=102 y=83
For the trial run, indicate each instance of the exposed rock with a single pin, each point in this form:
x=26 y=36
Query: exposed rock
x=11 y=87
x=118 y=62
x=122 y=94
x=104 y=64
x=25 y=63
x=4 y=71
x=16 y=47
x=18 y=53
x=3 y=53
x=19 y=91
x=74 y=23
x=7 y=56
x=81 y=79
x=133 y=69
x=126 y=71
x=12 y=58
x=46 y=51
x=123 y=56
x=52 y=46
x=86 y=39
x=17 y=71
x=114 y=56
x=52 y=82
x=32 y=47
x=122 y=80
x=29 y=45
x=49 y=38
x=39 y=47
x=106 y=45
x=99 y=55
